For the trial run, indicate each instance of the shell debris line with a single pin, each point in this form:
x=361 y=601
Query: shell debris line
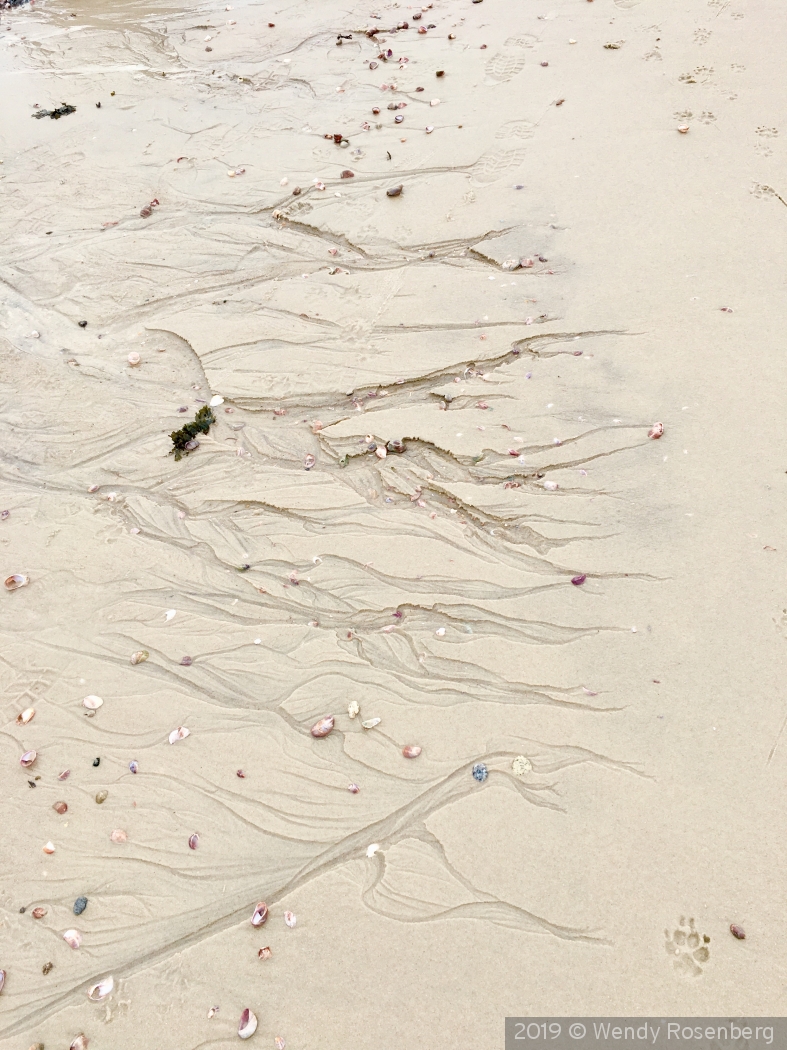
x=348 y=429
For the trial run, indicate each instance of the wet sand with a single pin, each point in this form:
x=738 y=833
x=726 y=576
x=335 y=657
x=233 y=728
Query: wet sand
x=433 y=586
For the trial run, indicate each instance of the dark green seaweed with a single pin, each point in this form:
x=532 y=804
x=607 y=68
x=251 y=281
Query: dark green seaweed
x=201 y=424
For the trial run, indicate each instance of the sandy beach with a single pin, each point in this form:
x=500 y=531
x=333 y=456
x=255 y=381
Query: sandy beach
x=437 y=273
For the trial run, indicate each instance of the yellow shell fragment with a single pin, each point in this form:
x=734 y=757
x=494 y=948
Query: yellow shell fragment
x=521 y=765
x=353 y=708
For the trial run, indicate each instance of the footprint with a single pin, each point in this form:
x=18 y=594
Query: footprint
x=720 y=5
x=700 y=75
x=522 y=41
x=652 y=54
x=702 y=36
x=516 y=129
x=627 y=4
x=767 y=133
x=707 y=117
x=683 y=116
x=503 y=66
x=689 y=949
x=495 y=164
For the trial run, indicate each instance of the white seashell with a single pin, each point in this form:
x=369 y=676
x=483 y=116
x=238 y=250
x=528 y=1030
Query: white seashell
x=216 y=400
x=118 y=835
x=169 y=614
x=92 y=703
x=550 y=486
x=319 y=185
x=248 y=1024
x=285 y=181
x=102 y=989
x=139 y=657
x=28 y=758
x=429 y=129
x=80 y=1043
x=134 y=359
x=440 y=632
x=371 y=850
x=280 y=1042
x=370 y=723
x=73 y=938
x=49 y=848
x=13 y=583
x=36 y=335
x=290 y=919
x=179 y=734
x=521 y=765
x=353 y=708
x=435 y=102
x=26 y=716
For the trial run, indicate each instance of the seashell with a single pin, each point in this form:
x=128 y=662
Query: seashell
x=284 y=181
x=79 y=905
x=323 y=727
x=101 y=990
x=353 y=789
x=216 y=400
x=73 y=938
x=193 y=841
x=435 y=102
x=46 y=968
x=38 y=913
x=579 y=580
x=738 y=932
x=394 y=191
x=134 y=767
x=28 y=758
x=64 y=775
x=186 y=661
x=551 y=486
x=440 y=632
x=290 y=919
x=429 y=129
x=480 y=772
x=381 y=452
x=347 y=174
x=371 y=850
x=2 y=979
x=309 y=461
x=511 y=264
x=212 y=1012
x=370 y=723
x=119 y=835
x=49 y=848
x=140 y=657
x=179 y=734
x=655 y=432
x=80 y=1043
x=319 y=185
x=260 y=915
x=60 y=807
x=521 y=765
x=102 y=796
x=684 y=129
x=353 y=708
x=13 y=583
x=93 y=488
x=411 y=751
x=146 y=212
x=264 y=953
x=92 y=703
x=248 y=1024
x=169 y=614
x=398 y=118
x=316 y=424
x=26 y=716
x=134 y=359
x=280 y=1042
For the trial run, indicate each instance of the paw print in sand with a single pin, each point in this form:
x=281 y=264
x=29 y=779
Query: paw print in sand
x=689 y=949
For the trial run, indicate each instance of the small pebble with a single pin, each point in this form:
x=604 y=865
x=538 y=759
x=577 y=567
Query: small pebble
x=134 y=767
x=102 y=796
x=96 y=762
x=480 y=772
x=79 y=905
x=738 y=932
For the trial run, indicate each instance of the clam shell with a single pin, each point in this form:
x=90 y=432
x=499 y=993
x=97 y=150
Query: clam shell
x=290 y=919
x=193 y=841
x=353 y=708
x=264 y=953
x=179 y=734
x=38 y=913
x=140 y=657
x=73 y=939
x=134 y=359
x=49 y=848
x=64 y=775
x=370 y=723
x=118 y=835
x=13 y=583
x=2 y=979
x=323 y=727
x=60 y=807
x=411 y=751
x=92 y=703
x=80 y=1043
x=26 y=716
x=280 y=1042
x=101 y=990
x=134 y=767
x=247 y=1025
x=28 y=758
x=260 y=914
x=521 y=765
x=656 y=431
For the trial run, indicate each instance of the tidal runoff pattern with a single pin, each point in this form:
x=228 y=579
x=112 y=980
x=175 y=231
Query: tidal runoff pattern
x=302 y=571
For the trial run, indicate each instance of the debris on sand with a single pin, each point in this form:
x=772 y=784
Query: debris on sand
x=184 y=440
x=60 y=111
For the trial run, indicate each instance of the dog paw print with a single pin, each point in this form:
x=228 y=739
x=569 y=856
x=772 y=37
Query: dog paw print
x=655 y=53
x=700 y=75
x=720 y=5
x=767 y=133
x=688 y=948
x=707 y=117
x=683 y=116
x=702 y=36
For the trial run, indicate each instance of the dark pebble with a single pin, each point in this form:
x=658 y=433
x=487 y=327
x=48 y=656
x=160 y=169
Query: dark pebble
x=296 y=192
x=394 y=191
x=82 y=324
x=440 y=73
x=22 y=911
x=96 y=761
x=46 y=968
x=79 y=905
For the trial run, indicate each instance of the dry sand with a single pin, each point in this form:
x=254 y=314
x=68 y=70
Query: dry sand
x=648 y=700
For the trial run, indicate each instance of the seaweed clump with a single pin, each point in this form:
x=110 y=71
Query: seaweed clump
x=56 y=113
x=185 y=439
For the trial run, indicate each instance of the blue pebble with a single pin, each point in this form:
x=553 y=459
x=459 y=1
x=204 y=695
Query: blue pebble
x=480 y=772
x=79 y=905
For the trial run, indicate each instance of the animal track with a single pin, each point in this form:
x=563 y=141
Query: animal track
x=655 y=53
x=494 y=165
x=627 y=4
x=683 y=115
x=700 y=75
x=503 y=66
x=702 y=36
x=707 y=117
x=767 y=133
x=689 y=949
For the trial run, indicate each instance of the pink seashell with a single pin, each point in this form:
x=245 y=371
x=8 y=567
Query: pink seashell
x=247 y=1025
x=60 y=807
x=260 y=914
x=28 y=758
x=264 y=953
x=290 y=919
x=353 y=789
x=64 y=775
x=2 y=979
x=80 y=1043
x=134 y=359
x=102 y=989
x=26 y=716
x=38 y=913
x=319 y=729
x=178 y=734
x=411 y=751
x=118 y=835
x=92 y=703
x=656 y=431
x=280 y=1042
x=193 y=841
x=73 y=938
x=309 y=461
x=49 y=848
x=13 y=583
x=579 y=580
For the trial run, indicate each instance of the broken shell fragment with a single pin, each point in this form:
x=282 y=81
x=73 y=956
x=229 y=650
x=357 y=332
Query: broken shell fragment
x=133 y=767
x=353 y=789
x=119 y=835
x=49 y=848
x=64 y=775
x=290 y=919
x=73 y=938
x=178 y=734
x=102 y=796
x=13 y=583
x=193 y=841
x=394 y=191
x=260 y=914
x=101 y=990
x=26 y=716
x=140 y=657
x=60 y=807
x=738 y=932
x=2 y=979
x=411 y=751
x=579 y=580
x=370 y=723
x=248 y=1024
x=323 y=727
x=656 y=431
x=264 y=953
x=80 y=1043
x=38 y=913
x=353 y=708
x=309 y=461
x=134 y=359
x=92 y=703
x=511 y=264
x=28 y=758
x=521 y=765
x=280 y=1042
